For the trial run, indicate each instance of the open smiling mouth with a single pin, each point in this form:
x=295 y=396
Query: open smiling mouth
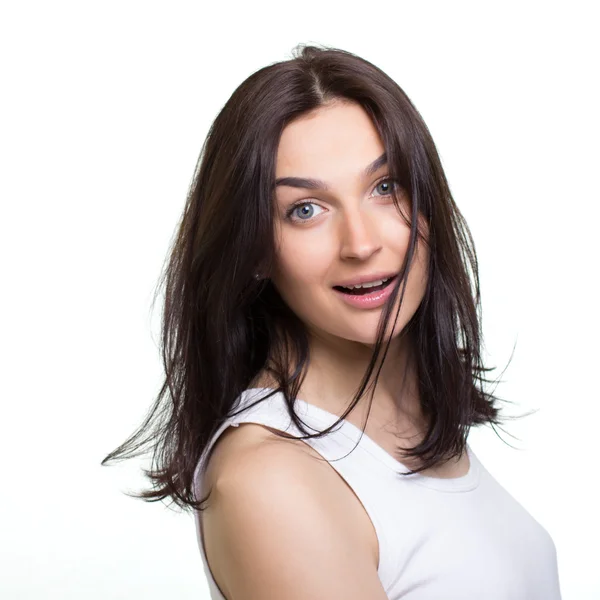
x=361 y=291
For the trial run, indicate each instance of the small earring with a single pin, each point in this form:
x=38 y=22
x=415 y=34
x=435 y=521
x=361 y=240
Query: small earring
x=256 y=276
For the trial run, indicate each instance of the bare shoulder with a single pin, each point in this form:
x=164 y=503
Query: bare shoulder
x=242 y=443
x=280 y=517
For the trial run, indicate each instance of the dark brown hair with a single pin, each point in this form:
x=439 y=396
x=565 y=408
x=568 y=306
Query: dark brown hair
x=221 y=326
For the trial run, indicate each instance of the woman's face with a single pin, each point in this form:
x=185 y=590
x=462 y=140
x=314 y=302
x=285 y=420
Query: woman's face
x=350 y=229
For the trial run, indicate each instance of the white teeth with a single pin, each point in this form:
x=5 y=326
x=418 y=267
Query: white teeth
x=368 y=285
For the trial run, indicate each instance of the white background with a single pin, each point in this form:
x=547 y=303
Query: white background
x=104 y=109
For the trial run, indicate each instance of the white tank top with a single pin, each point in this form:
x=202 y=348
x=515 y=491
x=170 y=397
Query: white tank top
x=464 y=538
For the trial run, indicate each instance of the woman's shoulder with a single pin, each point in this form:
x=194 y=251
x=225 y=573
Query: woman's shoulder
x=257 y=454
x=254 y=470
x=247 y=446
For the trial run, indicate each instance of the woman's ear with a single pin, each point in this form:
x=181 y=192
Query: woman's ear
x=261 y=272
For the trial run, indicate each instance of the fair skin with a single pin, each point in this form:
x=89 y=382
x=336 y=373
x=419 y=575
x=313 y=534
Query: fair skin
x=350 y=229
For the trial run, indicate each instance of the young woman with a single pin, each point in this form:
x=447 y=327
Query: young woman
x=322 y=347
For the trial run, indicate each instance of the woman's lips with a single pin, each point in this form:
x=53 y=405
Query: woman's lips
x=371 y=300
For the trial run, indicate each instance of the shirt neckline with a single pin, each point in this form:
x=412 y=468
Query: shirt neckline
x=464 y=483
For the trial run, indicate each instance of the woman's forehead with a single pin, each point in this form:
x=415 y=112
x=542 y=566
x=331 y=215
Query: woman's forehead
x=331 y=141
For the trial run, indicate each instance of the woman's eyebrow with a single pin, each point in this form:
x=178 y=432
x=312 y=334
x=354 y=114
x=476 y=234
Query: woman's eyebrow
x=317 y=184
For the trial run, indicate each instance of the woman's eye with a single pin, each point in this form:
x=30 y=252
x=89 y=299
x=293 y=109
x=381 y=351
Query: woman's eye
x=302 y=211
x=388 y=185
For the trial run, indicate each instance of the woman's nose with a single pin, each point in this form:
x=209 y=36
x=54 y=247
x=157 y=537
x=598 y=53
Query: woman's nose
x=359 y=236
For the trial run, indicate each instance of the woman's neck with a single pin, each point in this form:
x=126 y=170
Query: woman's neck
x=334 y=374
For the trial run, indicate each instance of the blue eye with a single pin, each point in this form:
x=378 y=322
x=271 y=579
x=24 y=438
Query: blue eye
x=389 y=183
x=301 y=206
x=306 y=213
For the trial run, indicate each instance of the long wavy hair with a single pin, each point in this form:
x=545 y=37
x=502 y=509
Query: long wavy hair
x=222 y=326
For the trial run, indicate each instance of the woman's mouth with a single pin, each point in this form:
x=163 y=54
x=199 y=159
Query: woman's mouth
x=365 y=288
x=373 y=296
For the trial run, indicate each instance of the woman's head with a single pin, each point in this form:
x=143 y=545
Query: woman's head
x=336 y=221
x=325 y=115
